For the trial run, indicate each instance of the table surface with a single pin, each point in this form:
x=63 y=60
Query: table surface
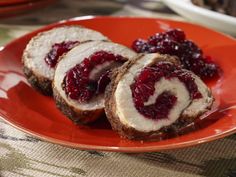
x=23 y=155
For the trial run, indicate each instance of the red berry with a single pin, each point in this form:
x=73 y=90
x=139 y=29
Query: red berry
x=176 y=34
x=140 y=46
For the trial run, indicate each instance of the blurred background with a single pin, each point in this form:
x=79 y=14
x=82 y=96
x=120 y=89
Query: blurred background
x=40 y=12
x=18 y=17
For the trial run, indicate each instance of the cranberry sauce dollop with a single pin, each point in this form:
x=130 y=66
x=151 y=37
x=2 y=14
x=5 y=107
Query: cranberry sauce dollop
x=174 y=42
x=78 y=84
x=144 y=87
x=58 y=50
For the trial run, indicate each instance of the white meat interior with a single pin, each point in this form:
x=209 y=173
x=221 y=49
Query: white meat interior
x=199 y=105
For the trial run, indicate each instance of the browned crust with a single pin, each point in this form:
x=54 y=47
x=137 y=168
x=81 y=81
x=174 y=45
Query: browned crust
x=76 y=115
x=127 y=131
x=39 y=83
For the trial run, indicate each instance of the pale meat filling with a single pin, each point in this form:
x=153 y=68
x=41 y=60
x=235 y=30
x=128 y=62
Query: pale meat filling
x=39 y=46
x=99 y=69
x=76 y=56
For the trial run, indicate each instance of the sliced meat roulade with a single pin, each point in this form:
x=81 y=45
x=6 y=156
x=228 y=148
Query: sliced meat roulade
x=82 y=75
x=152 y=93
x=43 y=51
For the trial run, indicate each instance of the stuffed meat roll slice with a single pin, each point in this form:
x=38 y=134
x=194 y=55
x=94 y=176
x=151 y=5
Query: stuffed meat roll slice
x=151 y=94
x=82 y=75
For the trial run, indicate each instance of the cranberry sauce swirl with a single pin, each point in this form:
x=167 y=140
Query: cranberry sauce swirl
x=143 y=88
x=90 y=77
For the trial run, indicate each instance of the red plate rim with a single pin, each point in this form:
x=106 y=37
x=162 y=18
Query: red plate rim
x=119 y=149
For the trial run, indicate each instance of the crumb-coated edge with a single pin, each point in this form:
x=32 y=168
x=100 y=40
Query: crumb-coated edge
x=39 y=83
x=76 y=115
x=127 y=131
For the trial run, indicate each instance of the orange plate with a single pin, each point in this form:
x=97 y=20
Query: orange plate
x=27 y=110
